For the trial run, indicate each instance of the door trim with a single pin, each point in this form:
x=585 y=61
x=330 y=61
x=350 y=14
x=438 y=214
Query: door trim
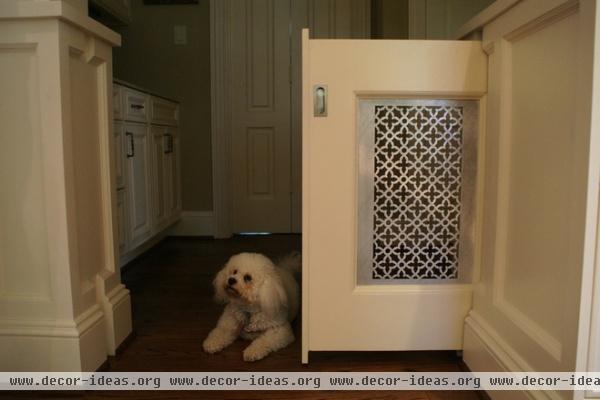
x=220 y=116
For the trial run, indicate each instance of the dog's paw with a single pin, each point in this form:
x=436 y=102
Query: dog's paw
x=254 y=353
x=212 y=345
x=252 y=327
x=249 y=335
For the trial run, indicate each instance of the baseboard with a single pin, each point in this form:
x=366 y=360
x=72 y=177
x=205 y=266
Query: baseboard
x=484 y=350
x=194 y=223
x=117 y=312
x=54 y=345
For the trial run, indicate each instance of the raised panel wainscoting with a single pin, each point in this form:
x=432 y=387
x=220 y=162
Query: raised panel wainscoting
x=62 y=304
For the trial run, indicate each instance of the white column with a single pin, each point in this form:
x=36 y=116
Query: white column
x=62 y=304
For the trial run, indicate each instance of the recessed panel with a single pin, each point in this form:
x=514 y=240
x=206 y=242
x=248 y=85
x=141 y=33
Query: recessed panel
x=140 y=183
x=260 y=161
x=259 y=54
x=86 y=152
x=541 y=186
x=24 y=269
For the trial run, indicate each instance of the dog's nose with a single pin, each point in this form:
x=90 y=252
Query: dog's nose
x=231 y=281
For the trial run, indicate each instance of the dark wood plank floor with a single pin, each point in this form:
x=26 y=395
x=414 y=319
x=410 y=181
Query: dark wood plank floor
x=173 y=312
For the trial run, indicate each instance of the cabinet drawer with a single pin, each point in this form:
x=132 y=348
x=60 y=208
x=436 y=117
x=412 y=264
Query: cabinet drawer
x=136 y=105
x=164 y=112
x=117 y=102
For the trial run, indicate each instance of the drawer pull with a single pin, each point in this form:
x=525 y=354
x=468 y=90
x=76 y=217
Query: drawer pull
x=137 y=106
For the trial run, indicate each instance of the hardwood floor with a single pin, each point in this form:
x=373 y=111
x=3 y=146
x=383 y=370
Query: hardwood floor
x=173 y=312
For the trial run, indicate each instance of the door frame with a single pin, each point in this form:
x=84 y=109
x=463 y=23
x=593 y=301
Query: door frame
x=220 y=112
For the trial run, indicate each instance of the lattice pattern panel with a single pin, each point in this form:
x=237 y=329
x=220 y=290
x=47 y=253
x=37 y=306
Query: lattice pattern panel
x=418 y=157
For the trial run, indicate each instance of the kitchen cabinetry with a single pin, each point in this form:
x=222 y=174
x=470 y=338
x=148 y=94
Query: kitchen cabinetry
x=147 y=166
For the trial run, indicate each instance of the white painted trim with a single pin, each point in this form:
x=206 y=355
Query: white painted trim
x=588 y=348
x=64 y=328
x=412 y=288
x=58 y=9
x=306 y=98
x=220 y=116
x=536 y=333
x=64 y=345
x=117 y=314
x=483 y=343
x=194 y=223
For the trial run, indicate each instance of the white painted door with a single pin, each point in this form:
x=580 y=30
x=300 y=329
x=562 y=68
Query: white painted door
x=352 y=299
x=265 y=102
x=525 y=306
x=261 y=116
x=138 y=182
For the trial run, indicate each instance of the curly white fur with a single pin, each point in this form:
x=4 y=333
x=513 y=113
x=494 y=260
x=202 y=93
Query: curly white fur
x=261 y=300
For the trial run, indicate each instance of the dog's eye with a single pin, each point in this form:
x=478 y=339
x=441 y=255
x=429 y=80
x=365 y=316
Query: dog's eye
x=235 y=271
x=247 y=278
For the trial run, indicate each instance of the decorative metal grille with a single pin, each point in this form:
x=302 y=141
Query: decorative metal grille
x=417 y=193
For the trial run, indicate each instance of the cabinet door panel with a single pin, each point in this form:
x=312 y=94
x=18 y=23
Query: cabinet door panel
x=138 y=187
x=119 y=152
x=349 y=195
x=172 y=178
x=122 y=221
x=159 y=147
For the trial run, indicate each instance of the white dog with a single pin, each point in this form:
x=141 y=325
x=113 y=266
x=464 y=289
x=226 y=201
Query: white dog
x=261 y=301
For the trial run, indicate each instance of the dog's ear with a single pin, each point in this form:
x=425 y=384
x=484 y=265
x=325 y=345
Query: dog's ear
x=219 y=285
x=272 y=296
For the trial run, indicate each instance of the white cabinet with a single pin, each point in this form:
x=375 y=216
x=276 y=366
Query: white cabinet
x=119 y=153
x=138 y=182
x=147 y=165
x=164 y=112
x=160 y=146
x=165 y=175
x=172 y=165
x=122 y=225
x=166 y=182
x=135 y=105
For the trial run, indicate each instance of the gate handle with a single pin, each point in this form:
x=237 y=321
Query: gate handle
x=320 y=100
